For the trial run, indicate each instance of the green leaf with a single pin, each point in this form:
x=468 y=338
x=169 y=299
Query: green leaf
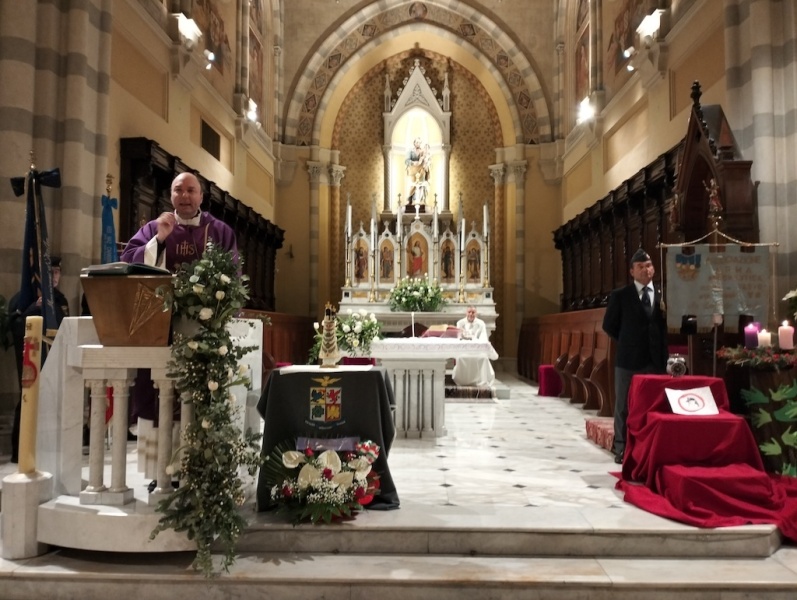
x=785 y=392
x=760 y=418
x=771 y=448
x=754 y=396
x=789 y=438
x=785 y=414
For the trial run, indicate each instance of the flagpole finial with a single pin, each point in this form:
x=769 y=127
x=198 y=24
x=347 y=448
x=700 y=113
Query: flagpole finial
x=108 y=183
x=32 y=161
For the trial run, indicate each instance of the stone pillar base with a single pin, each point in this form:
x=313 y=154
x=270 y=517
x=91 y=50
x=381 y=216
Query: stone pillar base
x=22 y=494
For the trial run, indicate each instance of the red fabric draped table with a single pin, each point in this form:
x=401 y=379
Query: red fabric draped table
x=704 y=470
x=656 y=437
x=550 y=382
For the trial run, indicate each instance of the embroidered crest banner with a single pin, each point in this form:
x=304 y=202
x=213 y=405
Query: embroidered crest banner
x=706 y=280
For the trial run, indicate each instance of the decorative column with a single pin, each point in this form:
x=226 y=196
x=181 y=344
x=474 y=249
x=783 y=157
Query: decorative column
x=517 y=173
x=314 y=170
x=120 y=389
x=97 y=437
x=336 y=224
x=498 y=234
x=165 y=449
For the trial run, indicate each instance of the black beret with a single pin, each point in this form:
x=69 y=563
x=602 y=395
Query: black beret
x=640 y=256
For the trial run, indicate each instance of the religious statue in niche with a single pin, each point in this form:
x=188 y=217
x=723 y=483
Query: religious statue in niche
x=714 y=203
x=416 y=257
x=474 y=263
x=360 y=260
x=386 y=263
x=447 y=262
x=418 y=161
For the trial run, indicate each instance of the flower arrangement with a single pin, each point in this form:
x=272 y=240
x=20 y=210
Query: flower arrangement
x=765 y=358
x=355 y=332
x=416 y=295
x=319 y=486
x=214 y=451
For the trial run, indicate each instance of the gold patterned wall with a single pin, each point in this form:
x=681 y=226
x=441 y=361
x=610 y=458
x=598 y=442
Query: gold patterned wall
x=359 y=135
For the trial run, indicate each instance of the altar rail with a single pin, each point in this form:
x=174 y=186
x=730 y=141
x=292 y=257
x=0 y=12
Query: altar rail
x=575 y=344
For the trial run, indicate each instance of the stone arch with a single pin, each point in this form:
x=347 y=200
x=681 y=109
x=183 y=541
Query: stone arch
x=370 y=28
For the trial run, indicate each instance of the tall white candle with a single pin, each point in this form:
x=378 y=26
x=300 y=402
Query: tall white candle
x=434 y=229
x=348 y=216
x=398 y=223
x=373 y=234
x=786 y=336
x=413 y=323
x=485 y=221
x=462 y=236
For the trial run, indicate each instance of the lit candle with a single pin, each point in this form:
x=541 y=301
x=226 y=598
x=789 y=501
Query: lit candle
x=786 y=336
x=398 y=224
x=348 y=215
x=764 y=339
x=485 y=221
x=750 y=336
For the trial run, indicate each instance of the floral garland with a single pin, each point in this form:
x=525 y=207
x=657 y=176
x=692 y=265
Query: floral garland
x=764 y=358
x=209 y=292
x=319 y=487
x=416 y=295
x=354 y=332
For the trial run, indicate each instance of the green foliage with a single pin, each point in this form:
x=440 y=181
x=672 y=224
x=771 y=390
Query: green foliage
x=769 y=358
x=214 y=451
x=416 y=295
x=769 y=411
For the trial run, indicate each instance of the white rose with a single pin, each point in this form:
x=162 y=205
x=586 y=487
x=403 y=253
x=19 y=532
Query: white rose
x=222 y=350
x=355 y=343
x=205 y=314
x=170 y=469
x=220 y=295
x=358 y=328
x=224 y=279
x=363 y=312
x=193 y=345
x=205 y=424
x=346 y=328
x=198 y=288
x=213 y=386
x=372 y=316
x=348 y=311
x=243 y=369
x=316 y=325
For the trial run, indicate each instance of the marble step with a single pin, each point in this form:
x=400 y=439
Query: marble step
x=308 y=576
x=503 y=531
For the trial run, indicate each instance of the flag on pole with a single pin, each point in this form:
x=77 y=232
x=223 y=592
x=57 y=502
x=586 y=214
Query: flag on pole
x=36 y=278
x=108 y=252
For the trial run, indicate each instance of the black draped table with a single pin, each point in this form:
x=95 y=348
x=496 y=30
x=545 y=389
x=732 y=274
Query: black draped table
x=362 y=406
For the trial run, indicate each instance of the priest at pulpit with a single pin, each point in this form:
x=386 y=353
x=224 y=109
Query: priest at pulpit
x=473 y=370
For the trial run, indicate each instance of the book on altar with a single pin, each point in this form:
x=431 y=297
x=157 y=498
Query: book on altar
x=697 y=401
x=442 y=331
x=123 y=268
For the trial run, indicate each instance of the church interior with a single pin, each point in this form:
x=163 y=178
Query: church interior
x=515 y=152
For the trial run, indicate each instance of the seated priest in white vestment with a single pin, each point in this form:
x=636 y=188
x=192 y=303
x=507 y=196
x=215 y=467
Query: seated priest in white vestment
x=473 y=370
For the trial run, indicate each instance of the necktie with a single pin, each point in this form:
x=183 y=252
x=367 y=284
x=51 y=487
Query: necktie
x=646 y=301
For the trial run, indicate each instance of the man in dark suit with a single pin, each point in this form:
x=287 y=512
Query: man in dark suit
x=635 y=321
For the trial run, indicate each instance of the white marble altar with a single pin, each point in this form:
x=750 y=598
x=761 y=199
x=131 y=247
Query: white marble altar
x=417 y=369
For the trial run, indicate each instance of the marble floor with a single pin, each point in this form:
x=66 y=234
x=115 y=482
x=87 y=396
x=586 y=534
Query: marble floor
x=509 y=463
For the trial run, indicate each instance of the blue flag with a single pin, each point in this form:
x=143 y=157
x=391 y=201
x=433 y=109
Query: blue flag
x=108 y=251
x=36 y=279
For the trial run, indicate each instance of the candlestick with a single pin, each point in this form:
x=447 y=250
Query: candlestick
x=786 y=336
x=750 y=336
x=764 y=339
x=31 y=364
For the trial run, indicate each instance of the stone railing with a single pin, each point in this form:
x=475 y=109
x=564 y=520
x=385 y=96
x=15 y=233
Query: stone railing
x=83 y=509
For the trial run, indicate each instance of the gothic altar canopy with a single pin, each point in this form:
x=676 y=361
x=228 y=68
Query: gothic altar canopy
x=417 y=235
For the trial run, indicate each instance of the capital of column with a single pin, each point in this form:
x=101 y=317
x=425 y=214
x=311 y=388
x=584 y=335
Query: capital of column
x=497 y=172
x=517 y=170
x=336 y=174
x=315 y=169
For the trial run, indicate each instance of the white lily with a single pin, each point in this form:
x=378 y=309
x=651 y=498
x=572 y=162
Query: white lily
x=292 y=459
